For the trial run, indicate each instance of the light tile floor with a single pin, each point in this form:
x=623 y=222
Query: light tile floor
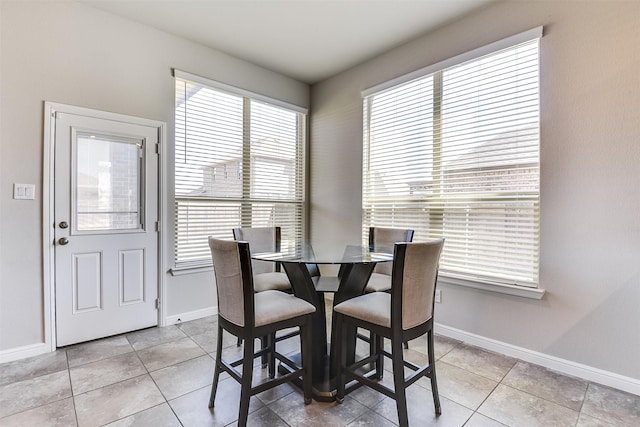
x=162 y=377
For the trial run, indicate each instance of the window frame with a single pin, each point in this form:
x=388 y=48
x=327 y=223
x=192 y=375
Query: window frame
x=246 y=201
x=435 y=70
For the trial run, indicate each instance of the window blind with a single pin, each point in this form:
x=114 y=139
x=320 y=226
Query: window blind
x=239 y=162
x=455 y=154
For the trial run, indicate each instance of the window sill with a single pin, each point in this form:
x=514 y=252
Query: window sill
x=520 y=291
x=181 y=271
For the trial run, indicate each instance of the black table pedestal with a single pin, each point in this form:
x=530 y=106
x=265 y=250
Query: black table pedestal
x=351 y=282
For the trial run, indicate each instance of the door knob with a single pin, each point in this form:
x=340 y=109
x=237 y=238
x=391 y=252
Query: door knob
x=63 y=224
x=63 y=241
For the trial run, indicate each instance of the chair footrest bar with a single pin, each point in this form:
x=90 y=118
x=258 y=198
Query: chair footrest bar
x=362 y=362
x=424 y=372
x=370 y=383
x=411 y=365
x=276 y=381
x=287 y=336
x=363 y=337
x=228 y=367
x=285 y=360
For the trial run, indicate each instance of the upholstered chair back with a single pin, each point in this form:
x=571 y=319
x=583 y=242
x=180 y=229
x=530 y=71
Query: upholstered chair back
x=414 y=280
x=388 y=236
x=261 y=239
x=231 y=277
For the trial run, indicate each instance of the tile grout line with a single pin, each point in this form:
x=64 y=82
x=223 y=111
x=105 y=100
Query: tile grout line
x=491 y=392
x=73 y=397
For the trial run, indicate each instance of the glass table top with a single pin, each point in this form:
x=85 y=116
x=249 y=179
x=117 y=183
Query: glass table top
x=340 y=254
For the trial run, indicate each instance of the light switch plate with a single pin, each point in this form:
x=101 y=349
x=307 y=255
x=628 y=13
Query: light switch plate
x=24 y=191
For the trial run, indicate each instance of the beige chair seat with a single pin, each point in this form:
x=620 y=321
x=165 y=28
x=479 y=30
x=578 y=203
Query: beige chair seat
x=274 y=280
x=378 y=282
x=275 y=306
x=373 y=308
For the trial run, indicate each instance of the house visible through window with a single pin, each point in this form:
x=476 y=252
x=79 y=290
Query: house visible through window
x=454 y=153
x=239 y=162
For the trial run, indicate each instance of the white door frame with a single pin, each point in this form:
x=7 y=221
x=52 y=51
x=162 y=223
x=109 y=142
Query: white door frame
x=48 y=261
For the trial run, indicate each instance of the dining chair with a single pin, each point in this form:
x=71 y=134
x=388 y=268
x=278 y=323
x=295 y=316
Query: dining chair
x=267 y=275
x=404 y=313
x=380 y=280
x=249 y=315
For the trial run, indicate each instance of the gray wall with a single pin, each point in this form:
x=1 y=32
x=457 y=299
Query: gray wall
x=590 y=177
x=73 y=54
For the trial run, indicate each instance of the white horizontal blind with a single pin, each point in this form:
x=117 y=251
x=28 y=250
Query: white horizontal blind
x=455 y=154
x=239 y=163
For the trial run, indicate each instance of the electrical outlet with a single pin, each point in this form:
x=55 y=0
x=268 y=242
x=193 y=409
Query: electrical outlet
x=438 y=296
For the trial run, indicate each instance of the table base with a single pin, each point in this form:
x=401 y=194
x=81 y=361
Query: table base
x=324 y=389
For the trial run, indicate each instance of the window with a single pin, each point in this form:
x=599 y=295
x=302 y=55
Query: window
x=454 y=153
x=239 y=162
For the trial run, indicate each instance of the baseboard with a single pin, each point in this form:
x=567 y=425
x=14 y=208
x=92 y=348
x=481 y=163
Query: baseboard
x=36 y=349
x=191 y=315
x=589 y=373
x=24 y=352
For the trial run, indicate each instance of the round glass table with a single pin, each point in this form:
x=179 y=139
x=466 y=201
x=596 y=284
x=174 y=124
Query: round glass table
x=356 y=263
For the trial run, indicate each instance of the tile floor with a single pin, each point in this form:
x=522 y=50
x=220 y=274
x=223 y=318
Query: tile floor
x=162 y=376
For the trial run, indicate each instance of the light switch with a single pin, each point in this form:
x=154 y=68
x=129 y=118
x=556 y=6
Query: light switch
x=24 y=191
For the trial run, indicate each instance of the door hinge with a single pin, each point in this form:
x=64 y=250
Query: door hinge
x=157 y=303
x=158 y=149
x=157 y=226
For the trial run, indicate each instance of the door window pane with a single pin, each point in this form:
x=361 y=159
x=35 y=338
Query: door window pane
x=107 y=183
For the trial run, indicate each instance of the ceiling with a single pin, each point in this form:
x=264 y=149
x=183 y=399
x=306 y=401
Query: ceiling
x=308 y=40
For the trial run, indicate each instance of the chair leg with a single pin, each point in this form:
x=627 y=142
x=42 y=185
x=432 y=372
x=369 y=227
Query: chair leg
x=399 y=384
x=341 y=357
x=380 y=360
x=264 y=343
x=307 y=359
x=432 y=364
x=271 y=345
x=216 y=369
x=372 y=343
x=245 y=386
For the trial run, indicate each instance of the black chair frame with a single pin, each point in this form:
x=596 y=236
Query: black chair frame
x=398 y=336
x=237 y=235
x=408 y=238
x=249 y=333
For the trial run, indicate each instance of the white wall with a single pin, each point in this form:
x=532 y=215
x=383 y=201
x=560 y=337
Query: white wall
x=73 y=54
x=590 y=177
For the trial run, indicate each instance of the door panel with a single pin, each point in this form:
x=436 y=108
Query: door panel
x=131 y=276
x=86 y=271
x=106 y=244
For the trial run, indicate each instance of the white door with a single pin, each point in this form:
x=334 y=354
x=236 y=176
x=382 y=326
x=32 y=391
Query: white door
x=106 y=243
